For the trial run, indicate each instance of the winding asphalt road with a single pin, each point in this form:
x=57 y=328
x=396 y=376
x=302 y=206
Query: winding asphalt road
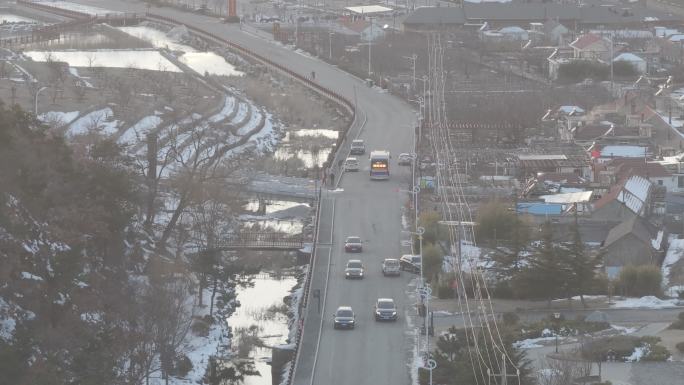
x=373 y=353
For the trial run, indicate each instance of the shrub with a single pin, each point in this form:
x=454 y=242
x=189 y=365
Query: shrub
x=510 y=318
x=623 y=68
x=200 y=327
x=503 y=290
x=445 y=291
x=679 y=323
x=577 y=71
x=680 y=347
x=182 y=366
x=656 y=353
x=639 y=281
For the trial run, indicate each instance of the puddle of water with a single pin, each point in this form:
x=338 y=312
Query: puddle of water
x=272 y=206
x=266 y=292
x=6 y=18
x=140 y=59
x=199 y=61
x=287 y=226
x=330 y=134
x=285 y=153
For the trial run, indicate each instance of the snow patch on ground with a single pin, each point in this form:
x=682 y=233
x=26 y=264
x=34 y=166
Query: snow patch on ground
x=74 y=72
x=228 y=107
x=96 y=120
x=58 y=118
x=91 y=317
x=638 y=353
x=648 y=302
x=87 y=9
x=623 y=329
x=137 y=132
x=29 y=276
x=532 y=343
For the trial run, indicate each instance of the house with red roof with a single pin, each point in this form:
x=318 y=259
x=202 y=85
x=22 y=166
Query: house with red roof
x=591 y=46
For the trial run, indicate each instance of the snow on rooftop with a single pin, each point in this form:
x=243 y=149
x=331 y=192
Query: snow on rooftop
x=573 y=197
x=618 y=151
x=541 y=157
x=368 y=9
x=628 y=57
x=571 y=109
x=635 y=193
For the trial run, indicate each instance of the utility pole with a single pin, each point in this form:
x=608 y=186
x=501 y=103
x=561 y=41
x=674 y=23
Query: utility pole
x=504 y=374
x=370 y=40
x=413 y=67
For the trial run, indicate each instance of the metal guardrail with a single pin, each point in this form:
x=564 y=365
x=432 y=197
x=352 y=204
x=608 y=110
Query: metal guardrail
x=260 y=240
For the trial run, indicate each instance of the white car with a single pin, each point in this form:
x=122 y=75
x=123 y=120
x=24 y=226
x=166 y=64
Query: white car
x=405 y=159
x=390 y=267
x=351 y=164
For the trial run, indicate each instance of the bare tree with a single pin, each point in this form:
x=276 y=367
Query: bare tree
x=563 y=370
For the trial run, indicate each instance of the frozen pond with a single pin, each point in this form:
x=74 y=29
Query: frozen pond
x=257 y=309
x=87 y=9
x=6 y=18
x=330 y=134
x=139 y=59
x=202 y=62
x=307 y=157
x=272 y=206
x=287 y=226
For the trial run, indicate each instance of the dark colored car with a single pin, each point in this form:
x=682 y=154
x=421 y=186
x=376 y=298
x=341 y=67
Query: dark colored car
x=410 y=263
x=344 y=318
x=354 y=269
x=385 y=310
x=353 y=245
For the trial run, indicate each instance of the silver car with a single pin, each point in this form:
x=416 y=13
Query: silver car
x=390 y=267
x=351 y=164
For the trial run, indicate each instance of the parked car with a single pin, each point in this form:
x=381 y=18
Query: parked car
x=385 y=310
x=410 y=263
x=353 y=245
x=357 y=147
x=354 y=269
x=405 y=159
x=351 y=164
x=344 y=318
x=390 y=267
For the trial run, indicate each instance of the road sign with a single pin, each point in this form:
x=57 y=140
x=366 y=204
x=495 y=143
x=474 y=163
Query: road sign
x=431 y=364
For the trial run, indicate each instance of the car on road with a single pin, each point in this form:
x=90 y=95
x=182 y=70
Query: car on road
x=353 y=245
x=357 y=147
x=410 y=262
x=354 y=269
x=344 y=318
x=385 y=310
x=390 y=266
x=405 y=159
x=351 y=164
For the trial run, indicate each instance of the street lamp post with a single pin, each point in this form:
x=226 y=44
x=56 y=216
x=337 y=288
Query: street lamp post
x=36 y=101
x=556 y=317
x=330 y=35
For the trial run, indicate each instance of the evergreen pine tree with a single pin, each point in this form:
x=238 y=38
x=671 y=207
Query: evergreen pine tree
x=582 y=266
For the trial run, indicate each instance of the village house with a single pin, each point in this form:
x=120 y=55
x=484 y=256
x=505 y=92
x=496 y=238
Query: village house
x=632 y=242
x=591 y=47
x=628 y=198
